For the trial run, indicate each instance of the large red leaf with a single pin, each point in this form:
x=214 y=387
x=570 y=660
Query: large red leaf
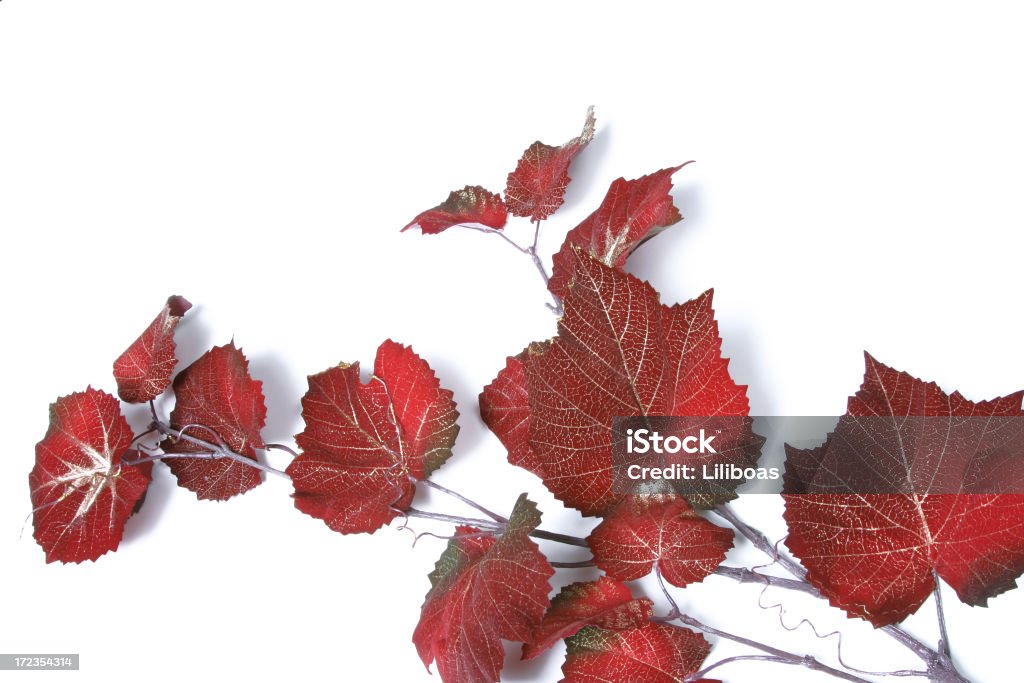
x=644 y=530
x=537 y=187
x=619 y=352
x=217 y=401
x=606 y=603
x=505 y=408
x=144 y=370
x=82 y=492
x=632 y=212
x=873 y=554
x=483 y=590
x=653 y=653
x=363 y=442
x=471 y=204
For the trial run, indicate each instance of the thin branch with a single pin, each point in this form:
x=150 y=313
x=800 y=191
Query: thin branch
x=674 y=613
x=211 y=451
x=555 y=307
x=217 y=454
x=281 y=447
x=943 y=635
x=480 y=508
x=806 y=661
x=760 y=541
x=455 y=519
x=495 y=526
x=582 y=564
x=560 y=538
x=492 y=231
x=744 y=575
x=739 y=658
x=531 y=251
x=143 y=435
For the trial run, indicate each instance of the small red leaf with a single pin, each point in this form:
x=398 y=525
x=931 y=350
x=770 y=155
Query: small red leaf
x=606 y=603
x=873 y=554
x=217 y=401
x=644 y=530
x=483 y=590
x=363 y=442
x=144 y=370
x=471 y=204
x=82 y=493
x=537 y=187
x=654 y=653
x=505 y=408
x=620 y=352
x=632 y=212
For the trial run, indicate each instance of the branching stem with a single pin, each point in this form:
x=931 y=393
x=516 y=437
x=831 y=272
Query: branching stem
x=745 y=575
x=211 y=451
x=777 y=655
x=940 y=664
x=531 y=251
x=760 y=541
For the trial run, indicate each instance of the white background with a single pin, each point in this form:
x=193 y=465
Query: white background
x=858 y=187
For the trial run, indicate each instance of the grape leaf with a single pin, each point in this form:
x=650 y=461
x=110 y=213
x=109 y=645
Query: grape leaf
x=873 y=554
x=606 y=603
x=144 y=370
x=363 y=442
x=644 y=530
x=505 y=408
x=82 y=492
x=653 y=653
x=483 y=589
x=537 y=187
x=471 y=204
x=619 y=352
x=217 y=401
x=632 y=212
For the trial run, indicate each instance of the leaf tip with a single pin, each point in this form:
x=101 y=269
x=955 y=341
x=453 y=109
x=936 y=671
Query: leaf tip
x=178 y=305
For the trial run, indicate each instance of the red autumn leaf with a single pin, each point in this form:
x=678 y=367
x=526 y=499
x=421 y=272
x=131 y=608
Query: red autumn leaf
x=653 y=653
x=363 y=442
x=471 y=204
x=606 y=603
x=619 y=352
x=505 y=408
x=873 y=554
x=82 y=492
x=537 y=187
x=632 y=212
x=642 y=531
x=483 y=590
x=144 y=370
x=218 y=402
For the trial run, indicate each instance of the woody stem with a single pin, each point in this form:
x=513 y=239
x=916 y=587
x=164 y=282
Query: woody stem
x=940 y=664
x=210 y=450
